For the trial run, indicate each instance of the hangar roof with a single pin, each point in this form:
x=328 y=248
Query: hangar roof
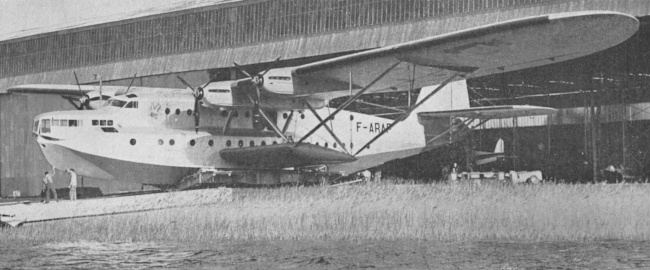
x=114 y=18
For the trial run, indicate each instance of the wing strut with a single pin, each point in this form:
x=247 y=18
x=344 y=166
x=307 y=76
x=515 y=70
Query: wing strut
x=326 y=127
x=268 y=120
x=286 y=124
x=347 y=103
x=452 y=128
x=410 y=110
x=226 y=127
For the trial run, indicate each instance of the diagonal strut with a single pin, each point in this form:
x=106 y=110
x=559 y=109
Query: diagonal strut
x=326 y=127
x=347 y=103
x=410 y=110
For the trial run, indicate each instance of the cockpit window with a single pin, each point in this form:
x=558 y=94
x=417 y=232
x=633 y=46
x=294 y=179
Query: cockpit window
x=45 y=126
x=132 y=104
x=118 y=103
x=35 y=129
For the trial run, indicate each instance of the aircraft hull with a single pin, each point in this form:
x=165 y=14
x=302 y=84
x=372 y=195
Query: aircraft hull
x=104 y=168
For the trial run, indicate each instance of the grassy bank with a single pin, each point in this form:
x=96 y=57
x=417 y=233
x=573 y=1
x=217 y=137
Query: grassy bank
x=463 y=212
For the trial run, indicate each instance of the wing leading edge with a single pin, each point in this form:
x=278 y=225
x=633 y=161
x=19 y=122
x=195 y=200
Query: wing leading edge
x=480 y=51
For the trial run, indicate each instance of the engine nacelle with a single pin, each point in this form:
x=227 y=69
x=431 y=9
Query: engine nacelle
x=228 y=94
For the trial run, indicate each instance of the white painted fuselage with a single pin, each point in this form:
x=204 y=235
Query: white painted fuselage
x=149 y=137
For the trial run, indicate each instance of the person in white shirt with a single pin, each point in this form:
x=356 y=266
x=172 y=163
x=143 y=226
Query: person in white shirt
x=73 y=184
x=49 y=184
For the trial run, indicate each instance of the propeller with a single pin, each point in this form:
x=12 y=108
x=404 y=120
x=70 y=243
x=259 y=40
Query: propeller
x=198 y=96
x=84 y=101
x=257 y=80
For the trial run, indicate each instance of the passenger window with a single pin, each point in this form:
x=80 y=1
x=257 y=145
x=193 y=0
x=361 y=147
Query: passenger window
x=102 y=122
x=109 y=122
x=55 y=122
x=72 y=123
x=45 y=126
x=64 y=123
x=95 y=122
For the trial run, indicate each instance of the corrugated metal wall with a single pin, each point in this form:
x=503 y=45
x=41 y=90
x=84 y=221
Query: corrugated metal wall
x=577 y=116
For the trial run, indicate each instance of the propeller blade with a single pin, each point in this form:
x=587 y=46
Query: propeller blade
x=130 y=84
x=242 y=70
x=196 y=115
x=185 y=83
x=78 y=107
x=271 y=66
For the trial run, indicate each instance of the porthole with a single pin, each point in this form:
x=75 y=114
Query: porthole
x=334 y=145
x=167 y=111
x=235 y=114
x=178 y=111
x=351 y=145
x=252 y=143
x=343 y=145
x=240 y=143
x=224 y=113
x=274 y=142
x=160 y=142
x=210 y=142
x=171 y=142
x=247 y=114
x=192 y=142
x=351 y=117
x=325 y=145
x=189 y=112
x=132 y=141
x=317 y=144
x=302 y=116
x=285 y=115
x=263 y=143
x=228 y=143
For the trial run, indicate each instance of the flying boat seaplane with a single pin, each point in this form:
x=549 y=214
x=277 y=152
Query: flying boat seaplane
x=278 y=122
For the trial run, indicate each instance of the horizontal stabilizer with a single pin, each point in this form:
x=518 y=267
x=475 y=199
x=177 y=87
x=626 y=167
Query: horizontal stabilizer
x=490 y=112
x=284 y=155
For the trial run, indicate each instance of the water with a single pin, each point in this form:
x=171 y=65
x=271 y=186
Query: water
x=375 y=254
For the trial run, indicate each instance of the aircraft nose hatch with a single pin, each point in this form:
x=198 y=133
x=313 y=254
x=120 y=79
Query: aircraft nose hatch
x=284 y=155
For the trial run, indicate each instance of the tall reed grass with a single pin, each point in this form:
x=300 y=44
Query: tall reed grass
x=462 y=212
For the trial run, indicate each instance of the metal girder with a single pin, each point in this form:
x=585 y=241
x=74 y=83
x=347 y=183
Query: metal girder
x=328 y=128
x=347 y=103
x=409 y=111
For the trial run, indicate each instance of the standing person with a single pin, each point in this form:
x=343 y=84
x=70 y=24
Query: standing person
x=366 y=175
x=49 y=184
x=73 y=184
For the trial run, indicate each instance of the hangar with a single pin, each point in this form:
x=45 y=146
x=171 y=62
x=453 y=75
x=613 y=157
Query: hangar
x=201 y=41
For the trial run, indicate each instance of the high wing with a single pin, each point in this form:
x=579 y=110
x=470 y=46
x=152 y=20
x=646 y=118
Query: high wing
x=480 y=51
x=489 y=112
x=62 y=89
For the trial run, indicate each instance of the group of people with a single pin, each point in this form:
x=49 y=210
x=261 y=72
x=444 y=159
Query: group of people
x=48 y=185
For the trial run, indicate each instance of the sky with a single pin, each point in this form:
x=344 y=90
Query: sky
x=24 y=16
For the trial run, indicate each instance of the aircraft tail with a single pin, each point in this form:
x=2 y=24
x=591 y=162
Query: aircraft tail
x=453 y=96
x=499 y=147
